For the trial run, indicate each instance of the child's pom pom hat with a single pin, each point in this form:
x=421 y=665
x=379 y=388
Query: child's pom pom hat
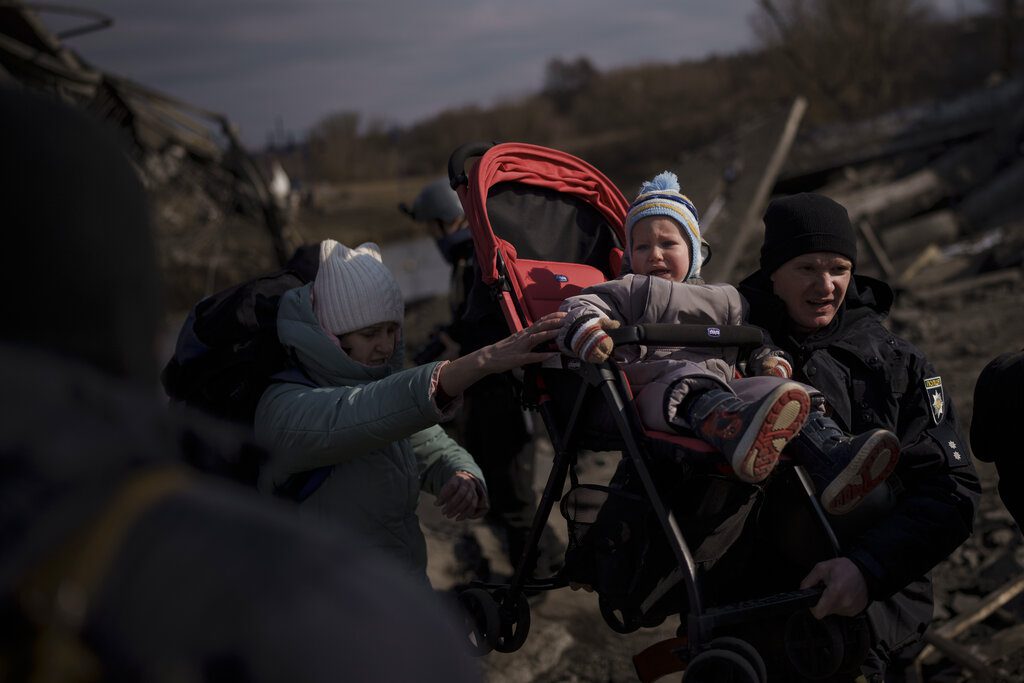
x=660 y=196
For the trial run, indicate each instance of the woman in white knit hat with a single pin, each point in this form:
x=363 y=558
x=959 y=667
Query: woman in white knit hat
x=359 y=413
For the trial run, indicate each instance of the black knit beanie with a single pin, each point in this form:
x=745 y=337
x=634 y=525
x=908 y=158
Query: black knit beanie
x=805 y=223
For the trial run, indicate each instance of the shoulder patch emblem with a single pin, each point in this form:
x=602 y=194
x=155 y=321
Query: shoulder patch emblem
x=936 y=398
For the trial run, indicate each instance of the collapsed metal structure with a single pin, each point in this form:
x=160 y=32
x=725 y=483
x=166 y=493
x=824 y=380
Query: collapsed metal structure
x=157 y=125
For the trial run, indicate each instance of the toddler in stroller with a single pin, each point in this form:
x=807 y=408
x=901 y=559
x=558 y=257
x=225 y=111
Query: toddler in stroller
x=749 y=420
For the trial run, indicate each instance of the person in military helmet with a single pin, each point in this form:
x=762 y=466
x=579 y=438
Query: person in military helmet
x=493 y=426
x=438 y=207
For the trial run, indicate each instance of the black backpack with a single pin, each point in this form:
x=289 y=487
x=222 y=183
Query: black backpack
x=228 y=353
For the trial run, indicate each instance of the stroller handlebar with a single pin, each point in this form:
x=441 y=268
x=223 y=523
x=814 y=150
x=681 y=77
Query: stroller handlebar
x=674 y=334
x=457 y=161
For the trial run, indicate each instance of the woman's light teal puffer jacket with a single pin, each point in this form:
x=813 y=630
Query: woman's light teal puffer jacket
x=377 y=426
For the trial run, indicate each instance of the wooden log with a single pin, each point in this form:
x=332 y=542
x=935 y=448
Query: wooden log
x=964 y=657
x=985 y=608
x=1004 y=190
x=977 y=211
x=877 y=250
x=937 y=227
x=991 y=602
x=721 y=268
x=939 y=639
x=833 y=147
x=956 y=172
x=960 y=286
x=929 y=255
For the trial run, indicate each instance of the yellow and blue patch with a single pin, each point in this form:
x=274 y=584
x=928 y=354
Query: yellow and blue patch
x=936 y=398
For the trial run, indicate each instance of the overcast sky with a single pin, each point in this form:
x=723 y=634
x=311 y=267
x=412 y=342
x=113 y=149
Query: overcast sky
x=258 y=61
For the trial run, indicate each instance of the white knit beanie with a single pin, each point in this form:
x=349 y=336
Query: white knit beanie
x=354 y=289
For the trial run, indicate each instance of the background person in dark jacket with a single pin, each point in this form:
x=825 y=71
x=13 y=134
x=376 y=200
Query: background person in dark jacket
x=116 y=562
x=995 y=432
x=493 y=426
x=438 y=207
x=830 y=321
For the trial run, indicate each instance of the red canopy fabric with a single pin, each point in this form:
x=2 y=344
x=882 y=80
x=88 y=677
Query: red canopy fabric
x=542 y=167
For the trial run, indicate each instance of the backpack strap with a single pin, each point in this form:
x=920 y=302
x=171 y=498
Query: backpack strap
x=56 y=595
x=301 y=485
x=293 y=375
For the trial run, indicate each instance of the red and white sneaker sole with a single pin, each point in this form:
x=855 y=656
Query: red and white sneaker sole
x=868 y=468
x=778 y=420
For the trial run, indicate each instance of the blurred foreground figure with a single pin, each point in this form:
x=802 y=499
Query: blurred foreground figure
x=117 y=562
x=998 y=401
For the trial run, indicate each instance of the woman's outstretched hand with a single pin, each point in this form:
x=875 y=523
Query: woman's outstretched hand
x=511 y=352
x=517 y=349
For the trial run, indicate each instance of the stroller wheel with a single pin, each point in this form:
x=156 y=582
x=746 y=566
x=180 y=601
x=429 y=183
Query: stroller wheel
x=481 y=620
x=815 y=648
x=745 y=650
x=514 y=620
x=619 y=619
x=720 y=666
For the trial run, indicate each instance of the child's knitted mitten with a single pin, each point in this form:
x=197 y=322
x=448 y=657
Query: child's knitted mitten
x=770 y=361
x=589 y=341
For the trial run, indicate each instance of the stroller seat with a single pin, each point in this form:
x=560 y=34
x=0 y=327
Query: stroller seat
x=541 y=286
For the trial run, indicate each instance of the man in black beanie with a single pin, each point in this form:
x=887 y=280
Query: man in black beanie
x=117 y=563
x=998 y=405
x=829 y=319
x=806 y=235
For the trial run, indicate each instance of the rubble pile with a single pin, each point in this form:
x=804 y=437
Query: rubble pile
x=936 y=191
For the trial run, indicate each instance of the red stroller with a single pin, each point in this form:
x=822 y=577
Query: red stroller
x=545 y=225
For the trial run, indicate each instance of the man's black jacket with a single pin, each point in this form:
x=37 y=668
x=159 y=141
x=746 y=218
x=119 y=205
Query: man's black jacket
x=871 y=378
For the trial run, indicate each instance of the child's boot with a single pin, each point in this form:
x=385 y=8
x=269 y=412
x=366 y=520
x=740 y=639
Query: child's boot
x=844 y=468
x=749 y=435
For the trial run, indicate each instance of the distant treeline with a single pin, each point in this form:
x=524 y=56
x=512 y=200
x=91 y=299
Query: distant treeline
x=849 y=59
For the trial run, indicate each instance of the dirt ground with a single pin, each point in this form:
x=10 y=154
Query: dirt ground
x=569 y=640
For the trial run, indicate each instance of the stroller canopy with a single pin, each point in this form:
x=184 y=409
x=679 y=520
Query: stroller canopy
x=533 y=202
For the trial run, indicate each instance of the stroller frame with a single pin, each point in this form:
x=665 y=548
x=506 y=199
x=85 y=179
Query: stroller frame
x=505 y=624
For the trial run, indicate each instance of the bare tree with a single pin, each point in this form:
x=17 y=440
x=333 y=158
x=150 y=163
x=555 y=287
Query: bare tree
x=564 y=81
x=856 y=53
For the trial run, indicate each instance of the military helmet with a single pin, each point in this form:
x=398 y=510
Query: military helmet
x=436 y=201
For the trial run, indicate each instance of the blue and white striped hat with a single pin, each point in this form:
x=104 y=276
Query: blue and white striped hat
x=661 y=197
